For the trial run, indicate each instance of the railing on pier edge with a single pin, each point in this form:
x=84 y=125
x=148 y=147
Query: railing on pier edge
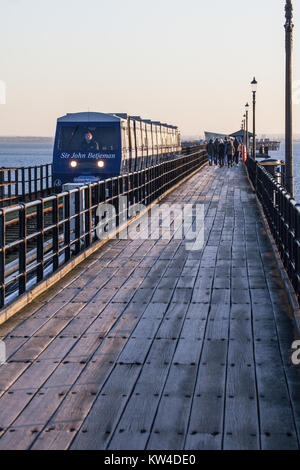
x=283 y=215
x=29 y=183
x=24 y=184
x=60 y=230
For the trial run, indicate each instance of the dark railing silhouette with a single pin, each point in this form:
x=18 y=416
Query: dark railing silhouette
x=38 y=237
x=24 y=184
x=283 y=215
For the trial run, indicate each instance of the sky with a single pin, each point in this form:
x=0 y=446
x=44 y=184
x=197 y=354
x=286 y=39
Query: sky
x=188 y=63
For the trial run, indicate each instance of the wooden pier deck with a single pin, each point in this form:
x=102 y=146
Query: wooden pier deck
x=148 y=346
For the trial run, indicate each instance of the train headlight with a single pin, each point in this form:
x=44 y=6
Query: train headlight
x=100 y=163
x=73 y=164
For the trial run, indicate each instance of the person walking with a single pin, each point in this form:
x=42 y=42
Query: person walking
x=238 y=153
x=216 y=145
x=225 y=151
x=221 y=153
x=229 y=152
x=210 y=148
x=236 y=145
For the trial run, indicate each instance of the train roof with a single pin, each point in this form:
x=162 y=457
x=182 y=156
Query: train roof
x=88 y=117
x=121 y=115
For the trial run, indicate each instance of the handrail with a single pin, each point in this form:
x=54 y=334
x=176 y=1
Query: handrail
x=283 y=215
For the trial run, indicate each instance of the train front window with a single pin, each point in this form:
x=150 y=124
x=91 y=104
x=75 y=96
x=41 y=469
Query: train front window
x=88 y=138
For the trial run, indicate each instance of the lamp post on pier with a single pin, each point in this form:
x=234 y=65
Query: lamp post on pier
x=289 y=174
x=254 y=89
x=247 y=130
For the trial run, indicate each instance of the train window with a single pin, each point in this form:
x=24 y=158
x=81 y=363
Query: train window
x=133 y=145
x=159 y=138
x=144 y=136
x=94 y=138
x=150 y=137
x=154 y=137
x=138 y=136
x=125 y=136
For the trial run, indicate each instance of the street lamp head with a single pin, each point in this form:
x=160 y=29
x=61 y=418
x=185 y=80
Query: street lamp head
x=247 y=106
x=254 y=85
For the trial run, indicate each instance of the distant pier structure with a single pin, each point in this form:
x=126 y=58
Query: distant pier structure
x=272 y=145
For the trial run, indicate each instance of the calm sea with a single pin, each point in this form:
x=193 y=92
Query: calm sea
x=280 y=156
x=30 y=151
x=25 y=151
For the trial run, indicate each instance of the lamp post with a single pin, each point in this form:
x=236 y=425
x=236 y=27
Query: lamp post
x=254 y=89
x=247 y=130
x=289 y=176
x=244 y=128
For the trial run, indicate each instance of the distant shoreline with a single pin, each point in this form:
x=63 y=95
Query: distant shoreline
x=17 y=137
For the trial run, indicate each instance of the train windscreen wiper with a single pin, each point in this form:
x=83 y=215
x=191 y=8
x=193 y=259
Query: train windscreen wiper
x=73 y=135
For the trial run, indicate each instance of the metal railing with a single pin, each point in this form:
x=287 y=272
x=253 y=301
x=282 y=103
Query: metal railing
x=24 y=184
x=38 y=237
x=29 y=183
x=283 y=215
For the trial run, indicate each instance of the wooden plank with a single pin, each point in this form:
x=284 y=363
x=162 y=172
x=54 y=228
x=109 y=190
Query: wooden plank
x=134 y=427
x=40 y=408
x=21 y=392
x=205 y=428
x=276 y=414
x=241 y=430
x=171 y=325
x=94 y=433
x=9 y=373
x=60 y=430
x=171 y=421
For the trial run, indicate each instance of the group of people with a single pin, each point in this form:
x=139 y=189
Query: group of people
x=225 y=152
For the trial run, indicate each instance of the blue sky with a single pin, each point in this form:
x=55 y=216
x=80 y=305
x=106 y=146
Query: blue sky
x=189 y=62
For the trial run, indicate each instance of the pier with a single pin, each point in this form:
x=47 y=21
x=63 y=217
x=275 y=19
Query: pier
x=146 y=345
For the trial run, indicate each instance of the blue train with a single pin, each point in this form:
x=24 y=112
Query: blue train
x=90 y=147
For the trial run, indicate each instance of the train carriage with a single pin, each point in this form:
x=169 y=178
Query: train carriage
x=90 y=147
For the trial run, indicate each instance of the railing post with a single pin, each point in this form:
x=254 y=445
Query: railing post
x=9 y=195
x=297 y=250
x=67 y=227
x=2 y=258
x=1 y=187
x=51 y=177
x=55 y=220
x=41 y=188
x=30 y=182
x=292 y=238
x=35 y=182
x=40 y=240
x=23 y=183
x=88 y=215
x=77 y=221
x=17 y=184
x=47 y=179
x=22 y=248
